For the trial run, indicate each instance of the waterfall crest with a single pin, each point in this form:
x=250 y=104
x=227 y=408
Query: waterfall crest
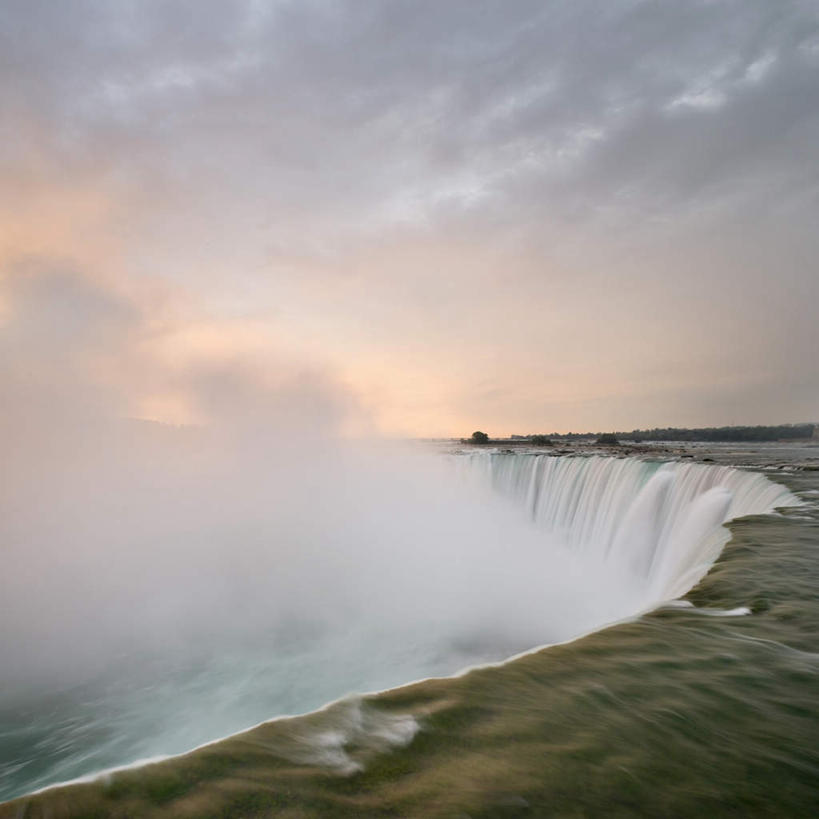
x=662 y=521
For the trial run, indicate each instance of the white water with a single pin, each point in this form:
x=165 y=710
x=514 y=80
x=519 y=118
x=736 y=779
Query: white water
x=365 y=574
x=663 y=522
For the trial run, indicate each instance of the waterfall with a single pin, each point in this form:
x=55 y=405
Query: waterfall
x=194 y=614
x=661 y=521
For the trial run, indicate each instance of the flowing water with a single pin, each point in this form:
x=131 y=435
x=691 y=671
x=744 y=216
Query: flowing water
x=660 y=521
x=720 y=681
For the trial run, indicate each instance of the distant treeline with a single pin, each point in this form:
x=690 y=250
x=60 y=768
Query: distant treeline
x=775 y=433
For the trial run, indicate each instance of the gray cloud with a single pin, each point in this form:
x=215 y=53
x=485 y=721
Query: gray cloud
x=594 y=150
x=362 y=104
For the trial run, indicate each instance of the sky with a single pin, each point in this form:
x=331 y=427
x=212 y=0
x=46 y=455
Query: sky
x=410 y=218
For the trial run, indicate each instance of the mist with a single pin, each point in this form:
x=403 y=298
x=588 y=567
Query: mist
x=133 y=537
x=165 y=585
x=263 y=523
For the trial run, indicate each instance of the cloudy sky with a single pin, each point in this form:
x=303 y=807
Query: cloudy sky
x=420 y=217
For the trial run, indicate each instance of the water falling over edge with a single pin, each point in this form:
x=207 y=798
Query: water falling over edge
x=661 y=521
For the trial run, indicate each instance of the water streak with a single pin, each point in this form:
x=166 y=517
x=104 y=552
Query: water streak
x=663 y=521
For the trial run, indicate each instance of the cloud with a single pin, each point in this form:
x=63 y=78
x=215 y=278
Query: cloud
x=335 y=106
x=76 y=353
x=284 y=162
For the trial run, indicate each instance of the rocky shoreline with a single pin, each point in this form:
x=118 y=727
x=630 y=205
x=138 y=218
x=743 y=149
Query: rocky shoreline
x=735 y=454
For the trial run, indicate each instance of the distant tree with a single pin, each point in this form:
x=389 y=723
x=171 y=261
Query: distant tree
x=479 y=437
x=608 y=438
x=540 y=440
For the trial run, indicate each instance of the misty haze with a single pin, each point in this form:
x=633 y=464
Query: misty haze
x=409 y=409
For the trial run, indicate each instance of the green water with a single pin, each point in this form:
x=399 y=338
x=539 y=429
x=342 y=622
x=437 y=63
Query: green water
x=680 y=713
